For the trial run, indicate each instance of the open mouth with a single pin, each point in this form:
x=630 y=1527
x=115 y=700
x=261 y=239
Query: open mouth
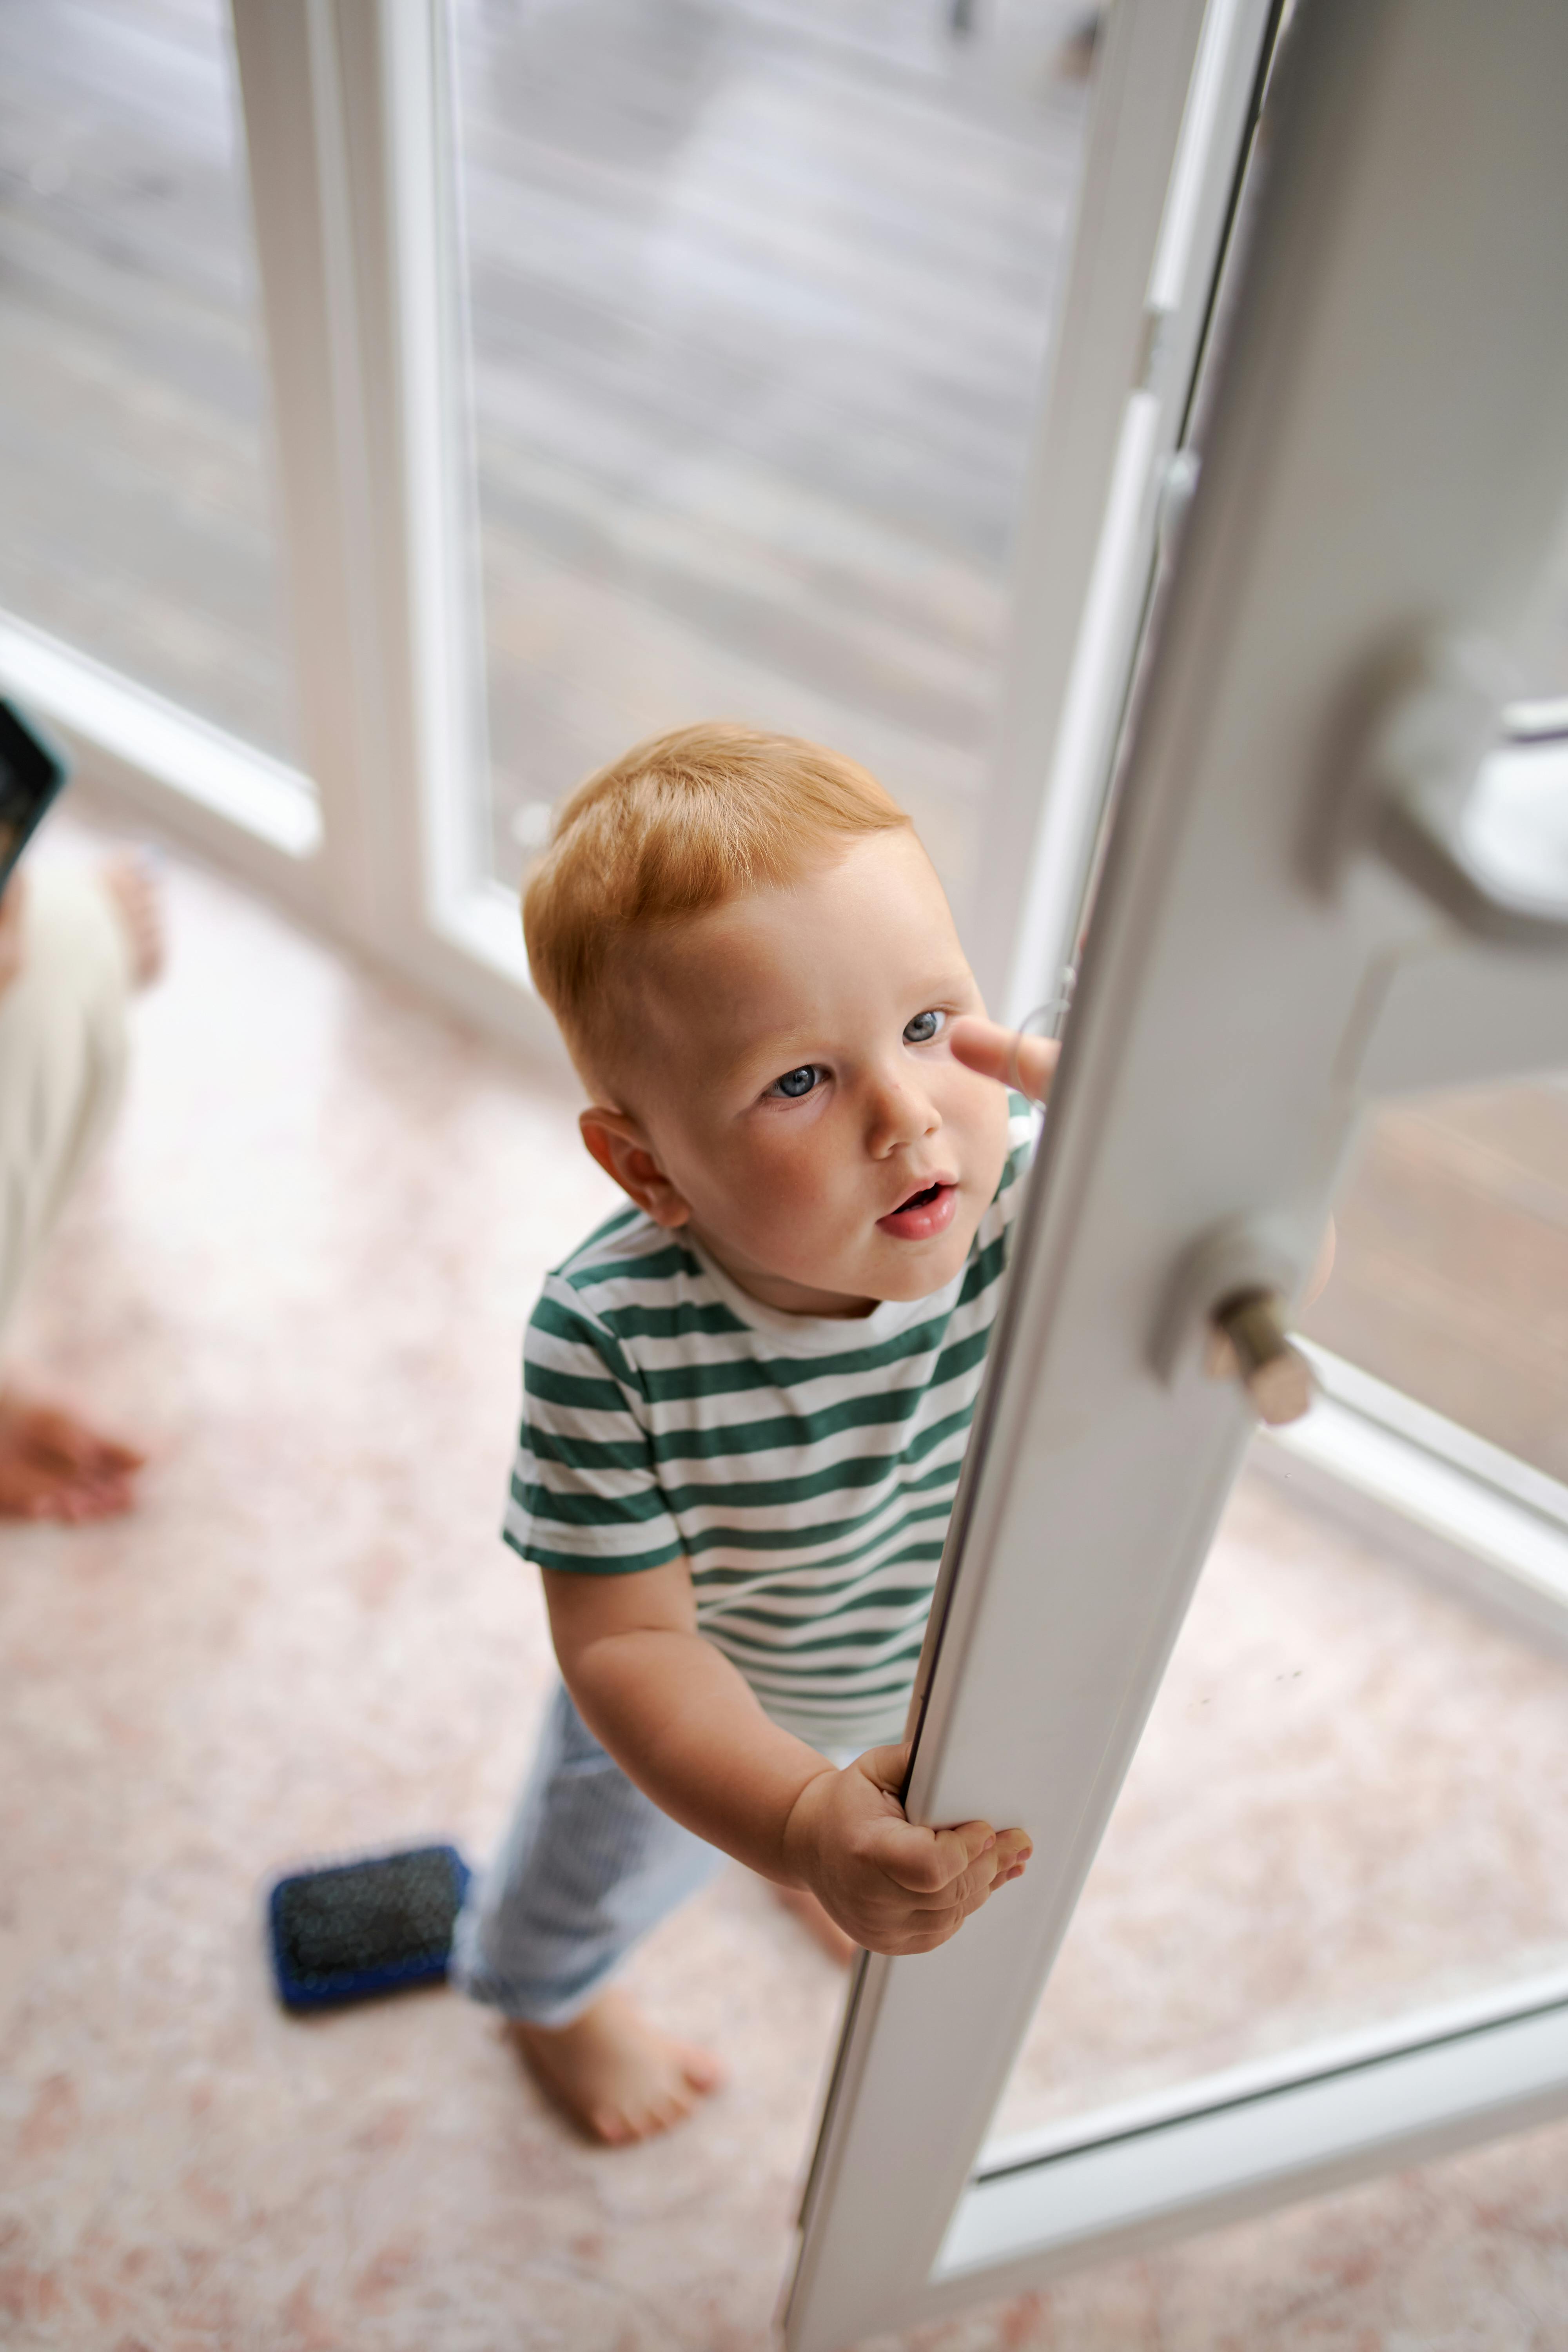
x=929 y=1211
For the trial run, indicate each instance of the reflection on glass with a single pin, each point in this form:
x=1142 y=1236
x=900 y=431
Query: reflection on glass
x=133 y=477
x=1451 y=1281
x=759 y=299
x=1351 y=1802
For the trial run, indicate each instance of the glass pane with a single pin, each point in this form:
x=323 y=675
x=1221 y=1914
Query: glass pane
x=1350 y=1800
x=760 y=299
x=1451 y=1279
x=133 y=470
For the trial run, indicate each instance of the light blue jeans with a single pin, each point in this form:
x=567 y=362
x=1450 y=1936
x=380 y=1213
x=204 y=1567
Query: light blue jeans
x=588 y=1867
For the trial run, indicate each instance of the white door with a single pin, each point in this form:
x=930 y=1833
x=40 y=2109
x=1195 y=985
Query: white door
x=1332 y=875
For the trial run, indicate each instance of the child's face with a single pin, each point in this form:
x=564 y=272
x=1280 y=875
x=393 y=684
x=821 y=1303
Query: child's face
x=789 y=1094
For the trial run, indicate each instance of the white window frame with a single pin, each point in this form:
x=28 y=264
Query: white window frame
x=1265 y=959
x=350 y=125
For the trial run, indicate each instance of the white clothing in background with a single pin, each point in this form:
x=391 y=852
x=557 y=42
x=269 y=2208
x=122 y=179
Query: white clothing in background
x=63 y=1051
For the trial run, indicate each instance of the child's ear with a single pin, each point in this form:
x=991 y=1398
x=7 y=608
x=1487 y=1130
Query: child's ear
x=622 y=1150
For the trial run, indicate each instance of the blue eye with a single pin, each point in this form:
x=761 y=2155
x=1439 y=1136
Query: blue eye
x=795 y=1085
x=924 y=1028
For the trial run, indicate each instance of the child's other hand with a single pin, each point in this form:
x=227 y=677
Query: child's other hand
x=1013 y=1060
x=892 y=1886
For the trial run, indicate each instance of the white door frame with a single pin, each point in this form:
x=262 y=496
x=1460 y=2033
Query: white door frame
x=1386 y=456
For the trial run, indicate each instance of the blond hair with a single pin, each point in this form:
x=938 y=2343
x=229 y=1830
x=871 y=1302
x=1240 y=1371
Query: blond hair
x=677 y=825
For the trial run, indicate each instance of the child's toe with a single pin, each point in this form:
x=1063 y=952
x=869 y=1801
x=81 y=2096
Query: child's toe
x=701 y=2069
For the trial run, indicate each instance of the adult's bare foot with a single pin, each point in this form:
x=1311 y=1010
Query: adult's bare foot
x=53 y=1466
x=615 y=2076
x=823 y=1930
x=132 y=882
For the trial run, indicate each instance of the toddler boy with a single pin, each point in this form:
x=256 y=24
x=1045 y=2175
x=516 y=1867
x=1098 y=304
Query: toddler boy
x=746 y=1395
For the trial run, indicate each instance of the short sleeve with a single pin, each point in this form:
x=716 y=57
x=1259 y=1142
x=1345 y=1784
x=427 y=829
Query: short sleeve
x=585 y=1494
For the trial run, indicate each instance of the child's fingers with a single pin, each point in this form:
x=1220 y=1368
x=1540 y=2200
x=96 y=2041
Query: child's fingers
x=928 y=1924
x=989 y=1871
x=919 y=1924
x=983 y=1045
x=885 y=1766
x=994 y=1869
x=1004 y=1054
x=928 y=1862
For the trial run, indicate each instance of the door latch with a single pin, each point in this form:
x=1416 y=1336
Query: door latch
x=1249 y=1341
x=1229 y=1308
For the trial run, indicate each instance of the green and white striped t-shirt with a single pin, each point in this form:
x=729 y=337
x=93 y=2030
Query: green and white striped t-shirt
x=805 y=1467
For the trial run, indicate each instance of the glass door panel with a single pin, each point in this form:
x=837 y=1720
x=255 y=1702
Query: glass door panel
x=1451 y=1281
x=1349 y=1802
x=135 y=464
x=759 y=302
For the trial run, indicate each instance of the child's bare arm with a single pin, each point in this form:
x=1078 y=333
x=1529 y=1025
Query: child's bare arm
x=682 y=1723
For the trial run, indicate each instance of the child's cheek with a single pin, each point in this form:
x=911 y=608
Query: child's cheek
x=794 y=1176
x=987 y=1139
x=778 y=1169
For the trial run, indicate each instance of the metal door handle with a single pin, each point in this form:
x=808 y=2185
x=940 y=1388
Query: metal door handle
x=1227 y=1307
x=1248 y=1341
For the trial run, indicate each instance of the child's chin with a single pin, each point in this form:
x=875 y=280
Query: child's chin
x=927 y=1271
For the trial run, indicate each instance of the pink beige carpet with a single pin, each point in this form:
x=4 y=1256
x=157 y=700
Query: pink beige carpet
x=301 y=1276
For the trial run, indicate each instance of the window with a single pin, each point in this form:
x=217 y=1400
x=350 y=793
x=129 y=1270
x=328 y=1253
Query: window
x=135 y=458
x=759 y=304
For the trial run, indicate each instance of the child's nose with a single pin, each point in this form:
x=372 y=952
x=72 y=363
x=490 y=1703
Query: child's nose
x=901 y=1114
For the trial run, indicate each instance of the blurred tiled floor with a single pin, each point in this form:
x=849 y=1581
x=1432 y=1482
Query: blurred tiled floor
x=302 y=1274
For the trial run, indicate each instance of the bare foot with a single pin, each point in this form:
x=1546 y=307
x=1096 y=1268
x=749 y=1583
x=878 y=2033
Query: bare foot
x=132 y=882
x=53 y=1466
x=823 y=1931
x=614 y=2073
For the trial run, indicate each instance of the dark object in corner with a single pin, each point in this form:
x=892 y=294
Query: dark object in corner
x=31 y=774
